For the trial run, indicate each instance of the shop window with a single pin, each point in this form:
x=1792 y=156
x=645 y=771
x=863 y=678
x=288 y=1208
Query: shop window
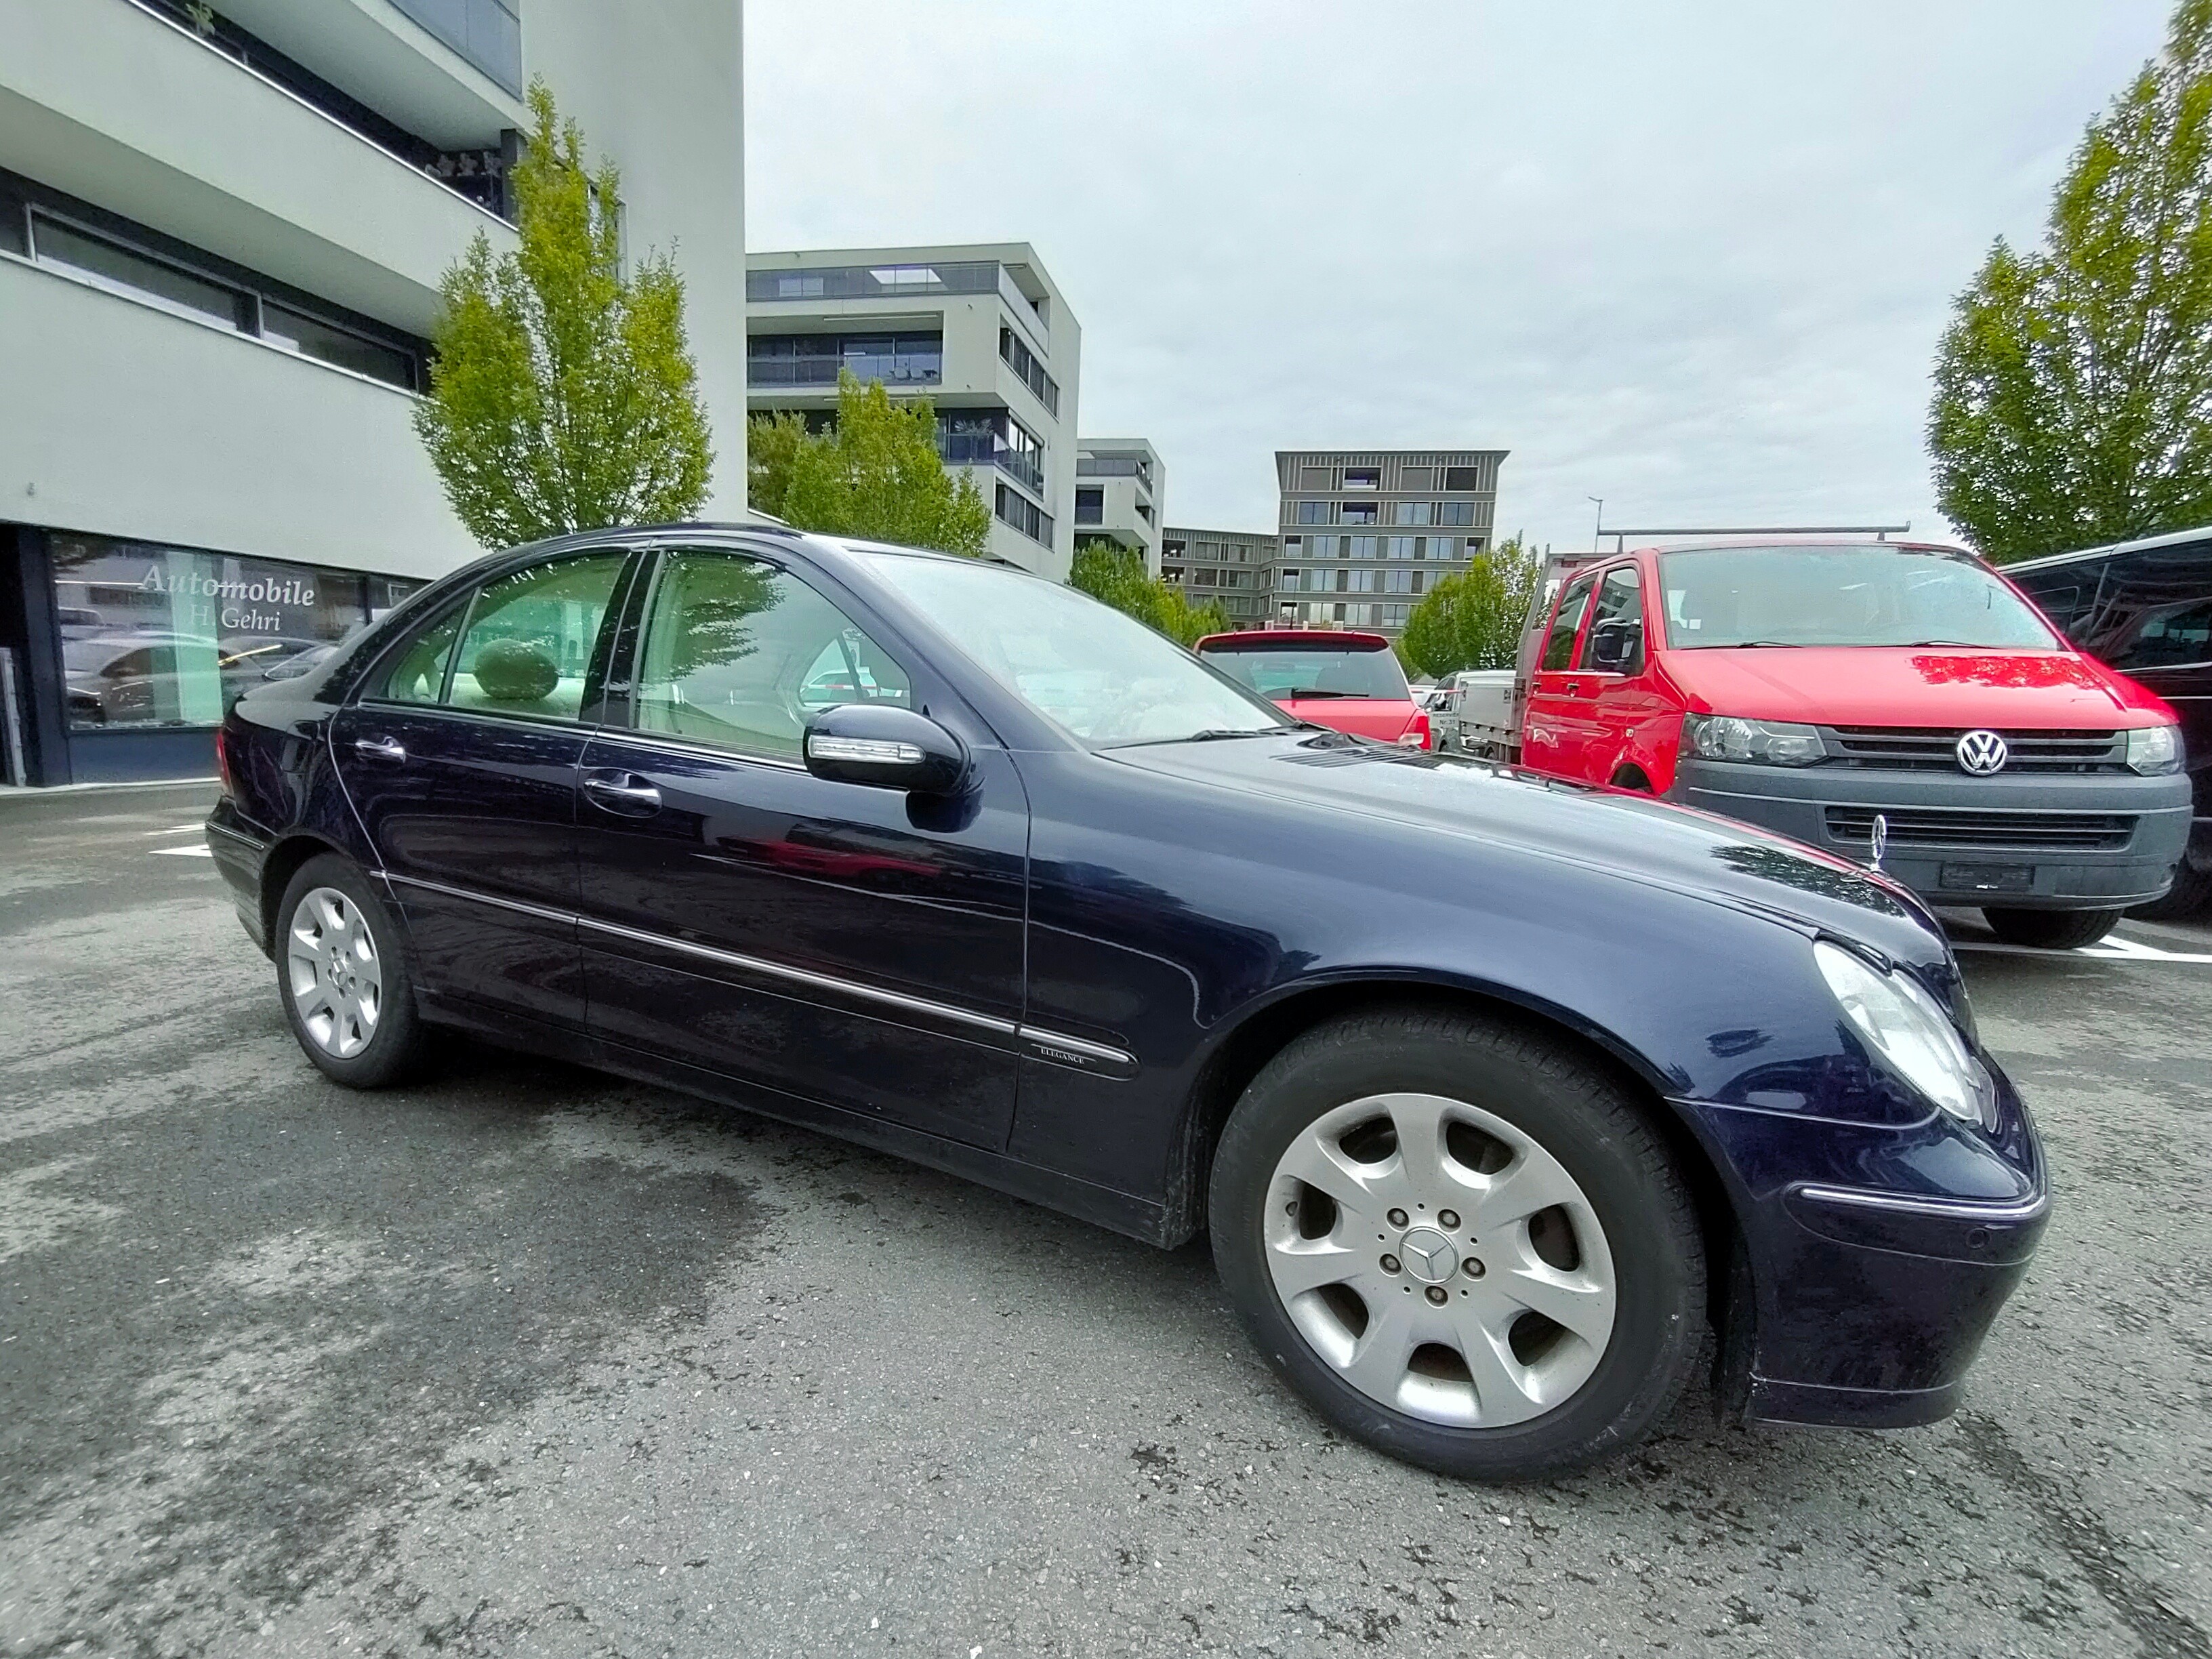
x=158 y=636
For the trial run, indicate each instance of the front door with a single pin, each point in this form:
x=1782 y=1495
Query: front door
x=1555 y=730
x=462 y=766
x=855 y=946
x=1614 y=660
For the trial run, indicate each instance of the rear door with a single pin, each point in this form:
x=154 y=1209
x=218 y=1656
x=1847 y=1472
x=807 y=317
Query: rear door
x=1555 y=730
x=2153 y=622
x=852 y=946
x=460 y=759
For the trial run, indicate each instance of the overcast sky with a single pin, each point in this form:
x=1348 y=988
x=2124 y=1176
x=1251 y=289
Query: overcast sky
x=1693 y=259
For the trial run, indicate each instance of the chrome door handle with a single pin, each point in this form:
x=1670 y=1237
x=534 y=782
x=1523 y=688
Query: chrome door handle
x=380 y=748
x=623 y=792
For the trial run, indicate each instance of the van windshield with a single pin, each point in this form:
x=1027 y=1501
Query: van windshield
x=1870 y=595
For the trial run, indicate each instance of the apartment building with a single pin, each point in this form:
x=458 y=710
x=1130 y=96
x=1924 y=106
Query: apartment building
x=1229 y=567
x=1119 y=484
x=981 y=330
x=222 y=231
x=1365 y=533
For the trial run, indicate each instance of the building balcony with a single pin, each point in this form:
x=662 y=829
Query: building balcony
x=975 y=449
x=112 y=102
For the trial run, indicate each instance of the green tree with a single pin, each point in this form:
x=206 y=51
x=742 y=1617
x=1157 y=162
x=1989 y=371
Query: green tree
x=562 y=394
x=2073 y=398
x=1474 y=619
x=875 y=474
x=1117 y=575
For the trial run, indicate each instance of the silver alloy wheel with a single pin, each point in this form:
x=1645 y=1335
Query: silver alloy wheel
x=331 y=962
x=1440 y=1259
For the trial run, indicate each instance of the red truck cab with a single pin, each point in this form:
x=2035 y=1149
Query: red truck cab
x=1337 y=677
x=1895 y=703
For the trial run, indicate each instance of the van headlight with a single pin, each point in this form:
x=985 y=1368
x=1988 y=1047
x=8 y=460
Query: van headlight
x=1909 y=1030
x=1772 y=743
x=2155 y=749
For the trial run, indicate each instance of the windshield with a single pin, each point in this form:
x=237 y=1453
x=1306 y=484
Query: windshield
x=1303 y=671
x=1099 y=674
x=1878 y=595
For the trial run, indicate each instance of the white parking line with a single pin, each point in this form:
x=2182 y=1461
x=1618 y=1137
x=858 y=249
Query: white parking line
x=180 y=851
x=2113 y=947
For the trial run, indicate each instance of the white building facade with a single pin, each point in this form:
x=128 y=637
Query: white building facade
x=221 y=235
x=1120 y=489
x=981 y=330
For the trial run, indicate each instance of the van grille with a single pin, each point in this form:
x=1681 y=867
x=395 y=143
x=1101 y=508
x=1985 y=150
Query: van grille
x=1922 y=749
x=1996 y=831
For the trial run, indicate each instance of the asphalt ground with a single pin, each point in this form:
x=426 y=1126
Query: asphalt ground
x=526 y=1360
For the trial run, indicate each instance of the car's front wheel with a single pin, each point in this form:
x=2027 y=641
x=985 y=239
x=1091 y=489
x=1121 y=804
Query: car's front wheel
x=343 y=973
x=2052 y=930
x=1462 y=1241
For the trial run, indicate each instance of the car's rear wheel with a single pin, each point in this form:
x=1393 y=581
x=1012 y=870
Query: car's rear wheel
x=345 y=978
x=2050 y=930
x=1462 y=1241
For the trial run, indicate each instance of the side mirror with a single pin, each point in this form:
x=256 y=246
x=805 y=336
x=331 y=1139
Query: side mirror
x=1615 y=646
x=887 y=746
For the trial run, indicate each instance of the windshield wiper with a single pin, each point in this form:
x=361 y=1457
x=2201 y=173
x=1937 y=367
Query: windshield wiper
x=1311 y=692
x=1211 y=734
x=1914 y=645
x=1765 y=644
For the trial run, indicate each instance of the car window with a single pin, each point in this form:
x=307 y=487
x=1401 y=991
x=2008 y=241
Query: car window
x=738 y=654
x=419 y=675
x=528 y=640
x=1877 y=594
x=2169 y=636
x=1560 y=646
x=1620 y=598
x=1293 y=671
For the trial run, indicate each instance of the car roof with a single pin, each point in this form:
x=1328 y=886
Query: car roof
x=2177 y=539
x=1326 y=639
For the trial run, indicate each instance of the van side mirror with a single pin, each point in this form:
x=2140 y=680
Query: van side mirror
x=886 y=746
x=1615 y=646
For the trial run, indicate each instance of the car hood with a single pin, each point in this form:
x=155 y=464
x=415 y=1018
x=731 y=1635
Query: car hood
x=1619 y=834
x=1365 y=717
x=1883 y=685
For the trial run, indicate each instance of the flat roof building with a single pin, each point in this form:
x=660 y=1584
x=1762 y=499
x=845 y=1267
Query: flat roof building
x=1228 y=566
x=1120 y=486
x=223 y=230
x=1365 y=533
x=982 y=331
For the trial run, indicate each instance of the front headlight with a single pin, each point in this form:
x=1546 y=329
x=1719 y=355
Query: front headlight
x=1908 y=1028
x=1772 y=743
x=2155 y=749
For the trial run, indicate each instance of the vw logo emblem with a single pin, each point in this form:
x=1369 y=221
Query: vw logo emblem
x=1981 y=753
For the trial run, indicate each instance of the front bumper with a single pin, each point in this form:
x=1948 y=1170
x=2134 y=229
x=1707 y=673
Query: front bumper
x=1869 y=1283
x=2026 y=874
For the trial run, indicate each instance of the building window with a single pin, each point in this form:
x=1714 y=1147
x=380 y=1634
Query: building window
x=801 y=285
x=1015 y=353
x=1323 y=547
x=1394 y=615
x=1205 y=578
x=73 y=238
x=1363 y=477
x=1311 y=513
x=1415 y=478
x=774 y=360
x=1316 y=477
x=1089 y=506
x=1418 y=577
x=1171 y=548
x=1357 y=513
x=1287 y=581
x=1410 y=513
x=1442 y=547
x=1460 y=477
x=156 y=635
x=1398 y=547
x=1455 y=512
x=1243 y=552
x=1018 y=511
x=1236 y=578
x=1363 y=547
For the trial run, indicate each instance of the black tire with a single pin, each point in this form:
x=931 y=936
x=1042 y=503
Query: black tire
x=1573 y=1109
x=400 y=1043
x=2191 y=893
x=2050 y=930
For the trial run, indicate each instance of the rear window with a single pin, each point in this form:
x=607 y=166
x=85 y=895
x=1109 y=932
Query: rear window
x=1302 y=670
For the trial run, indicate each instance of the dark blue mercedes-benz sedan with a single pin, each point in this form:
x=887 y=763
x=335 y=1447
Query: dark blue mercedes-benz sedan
x=1495 y=1094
